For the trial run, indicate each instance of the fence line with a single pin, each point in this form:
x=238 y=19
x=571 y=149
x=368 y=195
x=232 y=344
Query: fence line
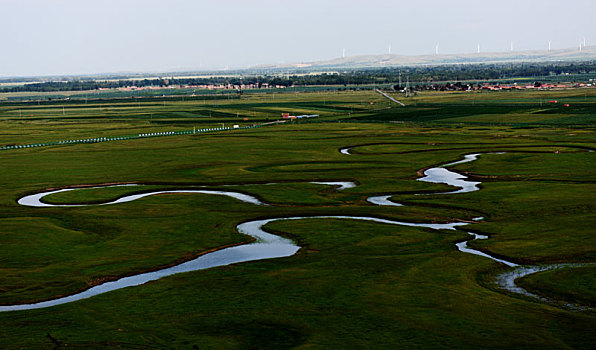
x=126 y=137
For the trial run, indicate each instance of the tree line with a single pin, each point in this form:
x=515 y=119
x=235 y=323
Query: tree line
x=418 y=74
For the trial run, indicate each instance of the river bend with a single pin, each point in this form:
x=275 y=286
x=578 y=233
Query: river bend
x=268 y=246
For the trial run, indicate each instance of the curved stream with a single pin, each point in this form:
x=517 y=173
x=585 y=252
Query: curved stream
x=34 y=200
x=504 y=280
x=507 y=280
x=268 y=246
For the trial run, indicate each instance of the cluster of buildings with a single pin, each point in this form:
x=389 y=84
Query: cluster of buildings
x=498 y=87
x=532 y=86
x=288 y=116
x=203 y=87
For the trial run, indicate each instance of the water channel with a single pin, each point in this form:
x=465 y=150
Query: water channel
x=268 y=246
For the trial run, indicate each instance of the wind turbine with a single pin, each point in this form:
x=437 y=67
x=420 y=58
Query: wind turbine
x=437 y=49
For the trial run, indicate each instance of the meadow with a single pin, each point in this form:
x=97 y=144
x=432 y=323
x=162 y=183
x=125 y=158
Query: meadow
x=354 y=284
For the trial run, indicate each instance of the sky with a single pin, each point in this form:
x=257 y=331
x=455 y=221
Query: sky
x=69 y=37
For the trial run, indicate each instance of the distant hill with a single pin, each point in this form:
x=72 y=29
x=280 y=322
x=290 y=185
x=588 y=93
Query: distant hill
x=389 y=60
x=588 y=53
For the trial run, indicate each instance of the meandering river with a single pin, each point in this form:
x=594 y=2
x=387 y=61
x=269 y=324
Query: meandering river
x=268 y=246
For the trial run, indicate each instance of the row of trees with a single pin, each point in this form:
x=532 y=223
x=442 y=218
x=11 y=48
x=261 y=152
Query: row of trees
x=460 y=72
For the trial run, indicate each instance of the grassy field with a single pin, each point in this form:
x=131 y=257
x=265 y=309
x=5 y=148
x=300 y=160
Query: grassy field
x=573 y=285
x=354 y=284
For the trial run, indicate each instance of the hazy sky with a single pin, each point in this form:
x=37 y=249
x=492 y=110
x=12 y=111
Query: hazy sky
x=51 y=37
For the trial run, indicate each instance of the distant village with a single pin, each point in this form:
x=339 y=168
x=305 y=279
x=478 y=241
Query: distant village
x=418 y=87
x=498 y=86
x=238 y=87
x=465 y=77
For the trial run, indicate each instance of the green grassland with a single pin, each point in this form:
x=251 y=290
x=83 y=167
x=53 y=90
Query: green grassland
x=354 y=284
x=573 y=285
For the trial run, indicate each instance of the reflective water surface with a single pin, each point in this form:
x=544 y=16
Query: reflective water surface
x=268 y=246
x=342 y=185
x=383 y=200
x=507 y=280
x=34 y=200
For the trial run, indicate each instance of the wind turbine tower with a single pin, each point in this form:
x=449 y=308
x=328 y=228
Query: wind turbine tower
x=437 y=49
x=343 y=53
x=478 y=48
x=511 y=46
x=549 y=45
x=390 y=48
